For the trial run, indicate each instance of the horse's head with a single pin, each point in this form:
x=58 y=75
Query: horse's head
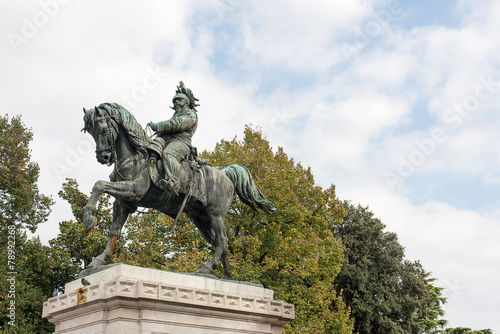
x=101 y=127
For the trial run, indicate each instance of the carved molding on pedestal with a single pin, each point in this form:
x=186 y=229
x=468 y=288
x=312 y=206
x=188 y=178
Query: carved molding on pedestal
x=198 y=304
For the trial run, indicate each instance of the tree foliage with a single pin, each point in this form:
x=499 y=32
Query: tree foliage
x=24 y=264
x=431 y=321
x=71 y=242
x=296 y=251
x=465 y=330
x=148 y=240
x=33 y=286
x=386 y=293
x=292 y=251
x=21 y=203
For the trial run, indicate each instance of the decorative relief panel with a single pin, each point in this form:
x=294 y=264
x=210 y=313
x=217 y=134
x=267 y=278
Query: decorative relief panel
x=168 y=292
x=150 y=290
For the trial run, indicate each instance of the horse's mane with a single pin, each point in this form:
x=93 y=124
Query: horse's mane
x=120 y=116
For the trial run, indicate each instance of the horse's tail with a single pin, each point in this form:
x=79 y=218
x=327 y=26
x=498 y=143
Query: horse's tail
x=246 y=188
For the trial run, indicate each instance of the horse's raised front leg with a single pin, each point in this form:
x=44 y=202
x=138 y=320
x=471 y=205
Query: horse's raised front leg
x=120 y=214
x=123 y=190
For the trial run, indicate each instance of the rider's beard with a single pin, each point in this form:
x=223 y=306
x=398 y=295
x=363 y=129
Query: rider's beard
x=178 y=108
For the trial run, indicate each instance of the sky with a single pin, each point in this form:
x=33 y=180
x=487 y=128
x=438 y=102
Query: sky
x=393 y=102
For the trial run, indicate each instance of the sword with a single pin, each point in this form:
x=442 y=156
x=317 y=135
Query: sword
x=188 y=195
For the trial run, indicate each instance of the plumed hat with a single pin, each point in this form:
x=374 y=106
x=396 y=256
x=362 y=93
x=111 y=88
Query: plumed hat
x=186 y=94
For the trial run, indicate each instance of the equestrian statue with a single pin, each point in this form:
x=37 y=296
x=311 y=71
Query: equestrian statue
x=165 y=173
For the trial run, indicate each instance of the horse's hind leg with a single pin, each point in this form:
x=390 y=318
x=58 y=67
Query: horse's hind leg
x=221 y=246
x=213 y=230
x=225 y=263
x=120 y=214
x=219 y=241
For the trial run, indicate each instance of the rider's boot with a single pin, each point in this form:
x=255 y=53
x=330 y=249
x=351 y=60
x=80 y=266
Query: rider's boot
x=172 y=166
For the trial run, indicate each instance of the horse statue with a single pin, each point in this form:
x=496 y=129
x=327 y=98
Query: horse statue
x=120 y=140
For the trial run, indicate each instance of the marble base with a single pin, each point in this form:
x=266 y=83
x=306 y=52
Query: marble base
x=126 y=299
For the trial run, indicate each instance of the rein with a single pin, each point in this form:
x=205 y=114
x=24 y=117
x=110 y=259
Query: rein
x=122 y=161
x=119 y=163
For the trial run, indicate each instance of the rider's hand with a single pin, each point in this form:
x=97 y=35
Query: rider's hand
x=153 y=126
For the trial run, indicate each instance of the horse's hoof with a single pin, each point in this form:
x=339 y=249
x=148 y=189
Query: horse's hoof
x=89 y=226
x=97 y=261
x=205 y=270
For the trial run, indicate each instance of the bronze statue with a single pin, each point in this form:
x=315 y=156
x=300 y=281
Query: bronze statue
x=203 y=192
x=174 y=136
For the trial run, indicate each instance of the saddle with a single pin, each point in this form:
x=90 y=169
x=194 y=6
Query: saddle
x=191 y=178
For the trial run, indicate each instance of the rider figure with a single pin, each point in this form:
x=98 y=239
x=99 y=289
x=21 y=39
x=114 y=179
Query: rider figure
x=177 y=133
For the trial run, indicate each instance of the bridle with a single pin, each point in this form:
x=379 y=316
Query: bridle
x=111 y=137
x=125 y=159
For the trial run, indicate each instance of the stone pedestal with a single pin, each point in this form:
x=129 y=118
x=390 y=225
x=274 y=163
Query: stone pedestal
x=130 y=300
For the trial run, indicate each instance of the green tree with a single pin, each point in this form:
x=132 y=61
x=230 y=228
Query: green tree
x=292 y=251
x=464 y=330
x=24 y=264
x=431 y=321
x=148 y=240
x=21 y=203
x=386 y=293
x=74 y=248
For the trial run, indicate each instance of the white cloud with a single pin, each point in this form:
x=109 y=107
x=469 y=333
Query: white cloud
x=299 y=36
x=343 y=130
x=491 y=178
x=387 y=70
x=350 y=119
